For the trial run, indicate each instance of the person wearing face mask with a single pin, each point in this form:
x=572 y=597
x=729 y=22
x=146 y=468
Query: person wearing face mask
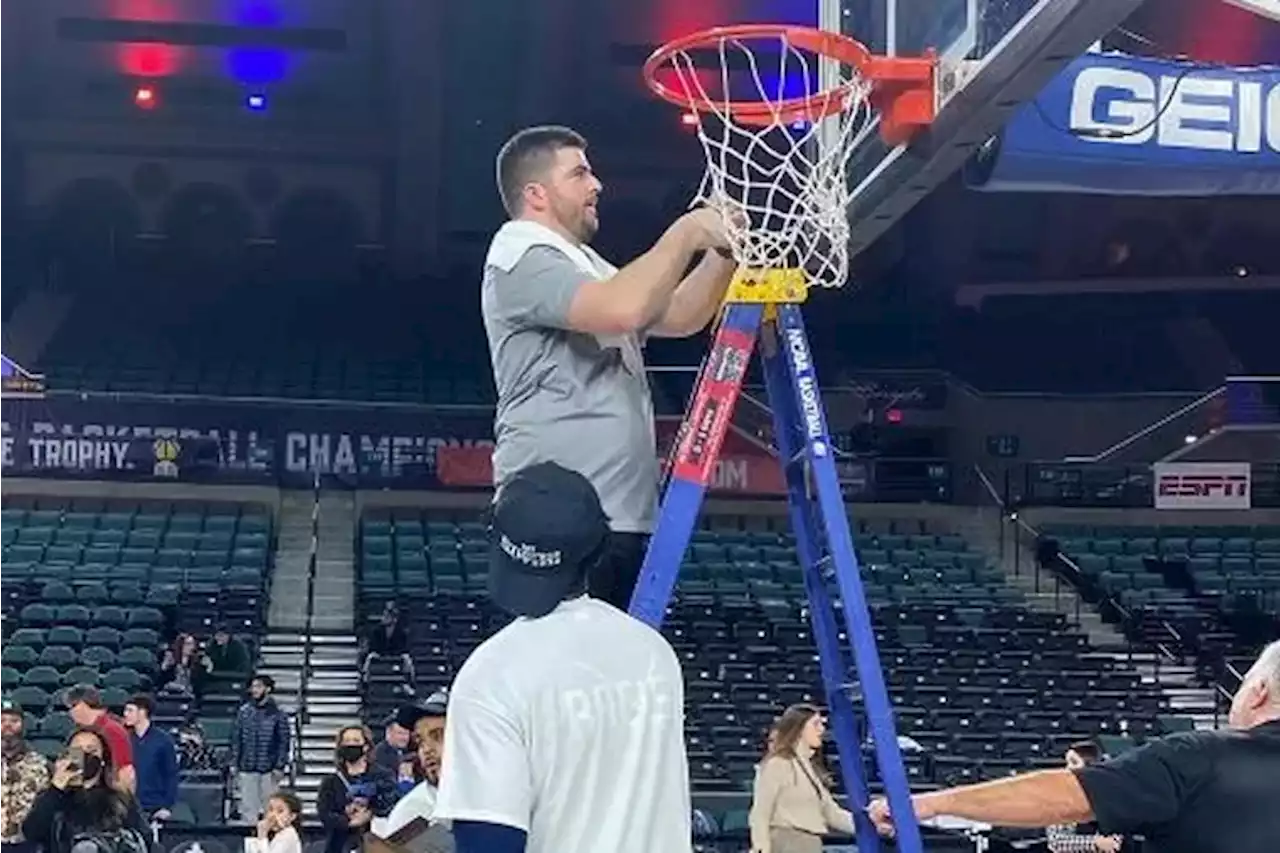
x=259 y=748
x=356 y=792
x=25 y=775
x=81 y=811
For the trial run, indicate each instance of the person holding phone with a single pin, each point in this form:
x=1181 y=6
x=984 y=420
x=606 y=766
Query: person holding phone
x=82 y=809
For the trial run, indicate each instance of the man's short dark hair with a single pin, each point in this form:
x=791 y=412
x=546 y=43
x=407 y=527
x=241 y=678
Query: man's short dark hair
x=143 y=702
x=86 y=693
x=526 y=154
x=1088 y=750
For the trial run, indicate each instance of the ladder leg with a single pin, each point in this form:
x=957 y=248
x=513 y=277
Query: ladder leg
x=879 y=713
x=694 y=461
x=835 y=670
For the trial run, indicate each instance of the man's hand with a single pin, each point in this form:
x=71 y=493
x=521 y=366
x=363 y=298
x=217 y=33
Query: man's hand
x=878 y=811
x=162 y=814
x=882 y=819
x=705 y=228
x=1106 y=843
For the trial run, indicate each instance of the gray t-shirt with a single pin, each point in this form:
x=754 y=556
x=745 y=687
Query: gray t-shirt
x=579 y=400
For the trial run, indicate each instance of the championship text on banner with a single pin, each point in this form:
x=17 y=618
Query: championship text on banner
x=1202 y=485
x=1123 y=125
x=393 y=447
x=472 y=467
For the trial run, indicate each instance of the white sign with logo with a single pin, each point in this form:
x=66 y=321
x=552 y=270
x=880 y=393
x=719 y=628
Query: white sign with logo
x=1202 y=485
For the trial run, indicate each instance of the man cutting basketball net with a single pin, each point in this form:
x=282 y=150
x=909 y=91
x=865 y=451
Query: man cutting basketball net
x=566 y=333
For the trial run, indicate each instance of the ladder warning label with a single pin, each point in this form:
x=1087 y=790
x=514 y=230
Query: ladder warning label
x=713 y=400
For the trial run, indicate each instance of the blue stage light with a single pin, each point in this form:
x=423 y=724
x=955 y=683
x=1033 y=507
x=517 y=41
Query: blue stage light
x=255 y=102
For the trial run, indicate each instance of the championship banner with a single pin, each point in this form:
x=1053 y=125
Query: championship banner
x=472 y=468
x=1202 y=485
x=1120 y=125
x=363 y=446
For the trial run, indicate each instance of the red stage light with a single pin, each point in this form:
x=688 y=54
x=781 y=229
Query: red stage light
x=893 y=416
x=144 y=97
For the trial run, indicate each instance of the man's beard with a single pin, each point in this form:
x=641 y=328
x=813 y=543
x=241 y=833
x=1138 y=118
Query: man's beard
x=11 y=744
x=577 y=222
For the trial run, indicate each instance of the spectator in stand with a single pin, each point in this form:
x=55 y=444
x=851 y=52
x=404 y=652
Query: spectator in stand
x=278 y=829
x=355 y=793
x=388 y=639
x=259 y=748
x=81 y=809
x=228 y=654
x=193 y=753
x=156 y=759
x=25 y=774
x=184 y=668
x=428 y=729
x=84 y=703
x=393 y=755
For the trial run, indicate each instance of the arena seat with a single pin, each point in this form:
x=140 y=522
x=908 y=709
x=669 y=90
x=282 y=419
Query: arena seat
x=1218 y=586
x=983 y=685
x=93 y=593
x=355 y=344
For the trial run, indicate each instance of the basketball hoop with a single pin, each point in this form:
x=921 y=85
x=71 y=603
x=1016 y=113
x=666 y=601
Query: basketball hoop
x=781 y=158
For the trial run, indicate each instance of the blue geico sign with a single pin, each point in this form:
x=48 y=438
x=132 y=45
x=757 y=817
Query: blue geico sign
x=1125 y=125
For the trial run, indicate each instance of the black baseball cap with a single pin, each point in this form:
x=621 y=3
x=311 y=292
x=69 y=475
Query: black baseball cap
x=547 y=528
x=435 y=705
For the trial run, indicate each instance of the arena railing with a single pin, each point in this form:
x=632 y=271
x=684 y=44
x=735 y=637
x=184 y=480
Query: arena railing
x=1074 y=484
x=1062 y=570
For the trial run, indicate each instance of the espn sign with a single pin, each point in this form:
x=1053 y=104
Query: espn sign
x=1202 y=485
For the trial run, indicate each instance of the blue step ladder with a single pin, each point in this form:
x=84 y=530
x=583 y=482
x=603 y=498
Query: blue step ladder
x=765 y=305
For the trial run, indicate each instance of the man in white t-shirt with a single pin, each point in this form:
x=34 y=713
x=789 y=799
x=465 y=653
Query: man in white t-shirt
x=565 y=731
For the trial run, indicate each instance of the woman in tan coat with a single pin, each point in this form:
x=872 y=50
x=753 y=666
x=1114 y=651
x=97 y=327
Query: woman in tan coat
x=792 y=807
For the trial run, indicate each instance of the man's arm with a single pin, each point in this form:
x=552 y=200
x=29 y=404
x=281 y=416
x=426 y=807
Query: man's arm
x=169 y=761
x=696 y=301
x=1034 y=800
x=1140 y=790
x=546 y=289
x=472 y=837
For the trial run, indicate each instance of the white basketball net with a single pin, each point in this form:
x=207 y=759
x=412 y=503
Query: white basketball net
x=787 y=176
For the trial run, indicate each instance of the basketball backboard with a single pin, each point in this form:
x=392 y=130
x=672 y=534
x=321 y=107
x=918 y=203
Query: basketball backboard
x=993 y=55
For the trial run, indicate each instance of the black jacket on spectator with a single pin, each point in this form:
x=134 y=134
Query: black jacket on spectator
x=382 y=642
x=260 y=738
x=375 y=786
x=233 y=657
x=57 y=816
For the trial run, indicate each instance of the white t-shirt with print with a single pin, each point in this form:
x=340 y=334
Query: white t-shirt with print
x=571 y=728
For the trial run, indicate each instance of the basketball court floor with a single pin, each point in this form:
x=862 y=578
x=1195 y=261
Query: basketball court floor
x=993 y=56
